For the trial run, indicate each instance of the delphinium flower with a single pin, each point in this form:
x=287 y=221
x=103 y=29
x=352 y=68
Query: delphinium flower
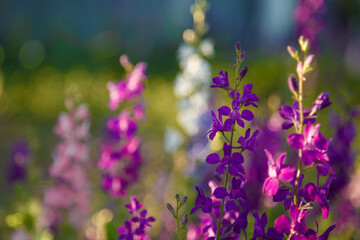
x=138 y=226
x=342 y=157
x=191 y=88
x=308 y=16
x=225 y=207
x=70 y=192
x=120 y=158
x=284 y=181
x=20 y=155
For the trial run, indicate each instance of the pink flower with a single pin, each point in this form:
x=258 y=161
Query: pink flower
x=277 y=172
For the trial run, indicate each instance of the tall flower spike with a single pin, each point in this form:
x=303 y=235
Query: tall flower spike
x=120 y=159
x=226 y=205
x=311 y=146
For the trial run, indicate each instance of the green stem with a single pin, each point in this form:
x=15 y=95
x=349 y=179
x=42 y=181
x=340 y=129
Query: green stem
x=300 y=129
x=177 y=220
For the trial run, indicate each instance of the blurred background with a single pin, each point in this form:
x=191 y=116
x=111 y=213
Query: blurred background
x=48 y=47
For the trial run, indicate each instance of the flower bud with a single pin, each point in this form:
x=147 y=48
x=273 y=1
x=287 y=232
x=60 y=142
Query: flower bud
x=304 y=43
x=242 y=56
x=184 y=220
x=309 y=60
x=322 y=101
x=293 y=53
x=182 y=201
x=299 y=67
x=177 y=197
x=243 y=72
x=293 y=86
x=237 y=47
x=171 y=209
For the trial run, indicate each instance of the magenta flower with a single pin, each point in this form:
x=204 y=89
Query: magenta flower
x=277 y=172
x=313 y=143
x=282 y=224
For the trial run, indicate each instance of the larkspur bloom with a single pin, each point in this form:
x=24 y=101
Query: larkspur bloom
x=71 y=189
x=120 y=159
x=311 y=146
x=138 y=226
x=227 y=204
x=313 y=143
x=277 y=171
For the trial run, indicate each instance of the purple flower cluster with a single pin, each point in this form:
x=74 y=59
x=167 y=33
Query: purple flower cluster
x=120 y=158
x=312 y=147
x=308 y=16
x=71 y=189
x=137 y=227
x=224 y=214
x=342 y=158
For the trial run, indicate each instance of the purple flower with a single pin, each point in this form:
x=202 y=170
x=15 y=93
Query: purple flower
x=313 y=143
x=322 y=101
x=313 y=193
x=217 y=126
x=248 y=142
x=139 y=223
x=277 y=171
x=221 y=81
x=232 y=160
x=134 y=205
x=205 y=203
x=126 y=231
x=249 y=98
x=292 y=115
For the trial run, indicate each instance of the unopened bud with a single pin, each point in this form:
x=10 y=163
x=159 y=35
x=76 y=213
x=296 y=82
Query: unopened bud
x=237 y=47
x=293 y=86
x=184 y=220
x=304 y=43
x=243 y=72
x=309 y=60
x=171 y=209
x=293 y=53
x=242 y=56
x=299 y=67
x=177 y=197
x=182 y=201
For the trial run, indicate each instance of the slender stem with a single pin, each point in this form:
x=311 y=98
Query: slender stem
x=300 y=129
x=177 y=220
x=222 y=208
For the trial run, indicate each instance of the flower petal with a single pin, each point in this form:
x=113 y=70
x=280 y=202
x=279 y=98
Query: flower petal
x=296 y=140
x=220 y=192
x=213 y=158
x=271 y=186
x=287 y=173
